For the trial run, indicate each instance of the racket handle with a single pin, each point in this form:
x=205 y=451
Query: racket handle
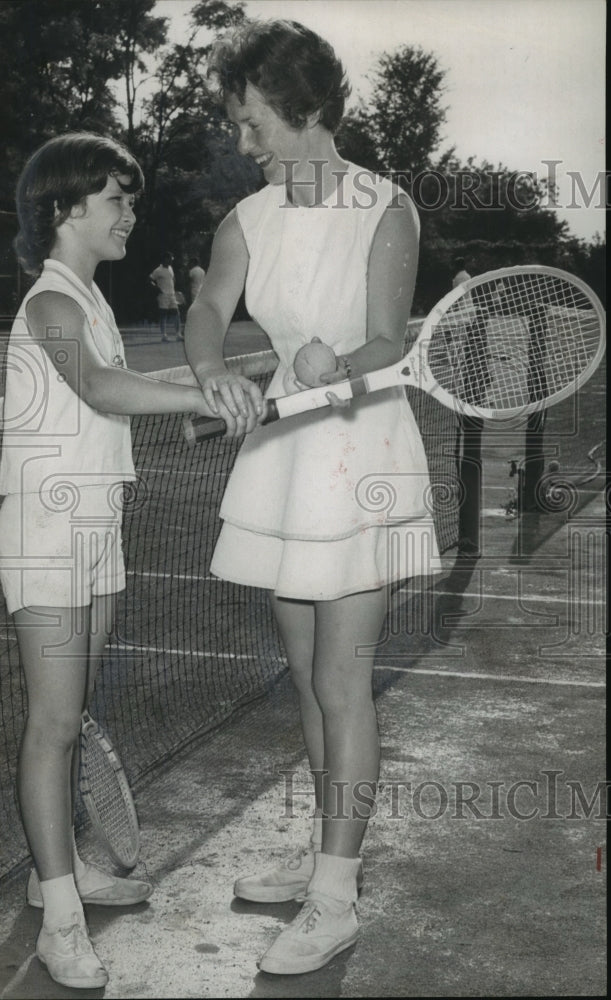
x=198 y=429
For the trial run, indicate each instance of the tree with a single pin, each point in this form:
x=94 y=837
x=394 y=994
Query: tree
x=137 y=34
x=355 y=139
x=58 y=59
x=185 y=148
x=493 y=215
x=183 y=140
x=400 y=126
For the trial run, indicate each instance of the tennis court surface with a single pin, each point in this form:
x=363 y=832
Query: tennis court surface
x=485 y=866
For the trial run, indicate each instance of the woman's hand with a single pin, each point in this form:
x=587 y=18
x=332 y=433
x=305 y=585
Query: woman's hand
x=237 y=393
x=236 y=426
x=329 y=378
x=318 y=365
x=234 y=398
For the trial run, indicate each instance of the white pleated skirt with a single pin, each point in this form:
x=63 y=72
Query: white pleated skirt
x=328 y=569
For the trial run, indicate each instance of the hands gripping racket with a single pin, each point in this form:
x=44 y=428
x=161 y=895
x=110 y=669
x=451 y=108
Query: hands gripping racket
x=503 y=344
x=107 y=795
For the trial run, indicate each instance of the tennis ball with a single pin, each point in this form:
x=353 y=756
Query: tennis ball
x=313 y=360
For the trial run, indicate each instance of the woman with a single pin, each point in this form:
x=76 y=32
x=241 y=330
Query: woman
x=326 y=250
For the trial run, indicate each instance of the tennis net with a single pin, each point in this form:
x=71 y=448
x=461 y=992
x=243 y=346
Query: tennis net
x=188 y=650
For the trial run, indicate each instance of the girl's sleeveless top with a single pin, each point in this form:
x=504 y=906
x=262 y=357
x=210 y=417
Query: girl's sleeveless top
x=50 y=434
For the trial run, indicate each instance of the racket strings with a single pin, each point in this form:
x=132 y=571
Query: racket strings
x=511 y=341
x=103 y=785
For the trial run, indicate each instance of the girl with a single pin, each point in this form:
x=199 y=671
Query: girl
x=66 y=454
x=325 y=250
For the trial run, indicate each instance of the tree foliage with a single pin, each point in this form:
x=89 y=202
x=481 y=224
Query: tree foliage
x=492 y=215
x=108 y=66
x=58 y=59
x=192 y=169
x=138 y=33
x=402 y=120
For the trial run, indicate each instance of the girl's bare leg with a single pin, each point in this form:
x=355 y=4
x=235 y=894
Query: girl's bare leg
x=102 y=617
x=54 y=648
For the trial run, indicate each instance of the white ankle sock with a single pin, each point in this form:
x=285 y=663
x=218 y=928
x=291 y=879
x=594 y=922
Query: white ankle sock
x=61 y=901
x=335 y=876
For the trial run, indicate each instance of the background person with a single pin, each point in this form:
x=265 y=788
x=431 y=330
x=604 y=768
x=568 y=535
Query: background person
x=163 y=279
x=196 y=278
x=460 y=272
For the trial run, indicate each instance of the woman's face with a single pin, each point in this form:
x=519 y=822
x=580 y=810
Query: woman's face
x=266 y=137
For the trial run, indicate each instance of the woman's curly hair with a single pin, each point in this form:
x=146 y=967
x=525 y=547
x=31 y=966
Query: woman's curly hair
x=296 y=71
x=59 y=176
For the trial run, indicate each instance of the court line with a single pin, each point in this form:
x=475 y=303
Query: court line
x=468 y=675
x=545 y=599
x=199 y=654
x=461 y=674
x=18 y=976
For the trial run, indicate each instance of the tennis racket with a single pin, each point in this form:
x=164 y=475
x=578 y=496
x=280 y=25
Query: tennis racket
x=504 y=344
x=107 y=796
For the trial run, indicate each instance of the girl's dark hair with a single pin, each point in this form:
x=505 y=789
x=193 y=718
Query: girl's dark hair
x=297 y=72
x=59 y=176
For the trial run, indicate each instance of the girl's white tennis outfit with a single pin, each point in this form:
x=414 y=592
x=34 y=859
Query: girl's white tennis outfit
x=63 y=463
x=327 y=503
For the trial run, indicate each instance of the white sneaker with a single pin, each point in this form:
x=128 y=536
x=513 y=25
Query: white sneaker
x=323 y=928
x=69 y=957
x=97 y=887
x=286 y=880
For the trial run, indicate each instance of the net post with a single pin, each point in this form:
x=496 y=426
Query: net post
x=534 y=463
x=470 y=475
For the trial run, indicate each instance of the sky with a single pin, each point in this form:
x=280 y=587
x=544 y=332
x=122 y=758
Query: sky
x=524 y=79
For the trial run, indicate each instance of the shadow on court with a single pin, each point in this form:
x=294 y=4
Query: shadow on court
x=484 y=868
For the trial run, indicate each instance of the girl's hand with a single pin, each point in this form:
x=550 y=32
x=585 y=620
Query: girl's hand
x=240 y=397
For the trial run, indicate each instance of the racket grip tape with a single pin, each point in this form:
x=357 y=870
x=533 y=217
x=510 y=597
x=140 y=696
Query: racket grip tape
x=197 y=429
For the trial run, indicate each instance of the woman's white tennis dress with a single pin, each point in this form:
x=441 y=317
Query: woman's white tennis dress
x=327 y=503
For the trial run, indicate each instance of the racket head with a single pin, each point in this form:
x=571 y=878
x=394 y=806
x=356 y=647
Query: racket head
x=510 y=342
x=107 y=796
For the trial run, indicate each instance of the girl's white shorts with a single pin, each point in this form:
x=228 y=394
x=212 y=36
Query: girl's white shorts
x=62 y=549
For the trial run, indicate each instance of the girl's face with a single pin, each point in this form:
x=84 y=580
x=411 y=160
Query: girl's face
x=99 y=228
x=266 y=137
